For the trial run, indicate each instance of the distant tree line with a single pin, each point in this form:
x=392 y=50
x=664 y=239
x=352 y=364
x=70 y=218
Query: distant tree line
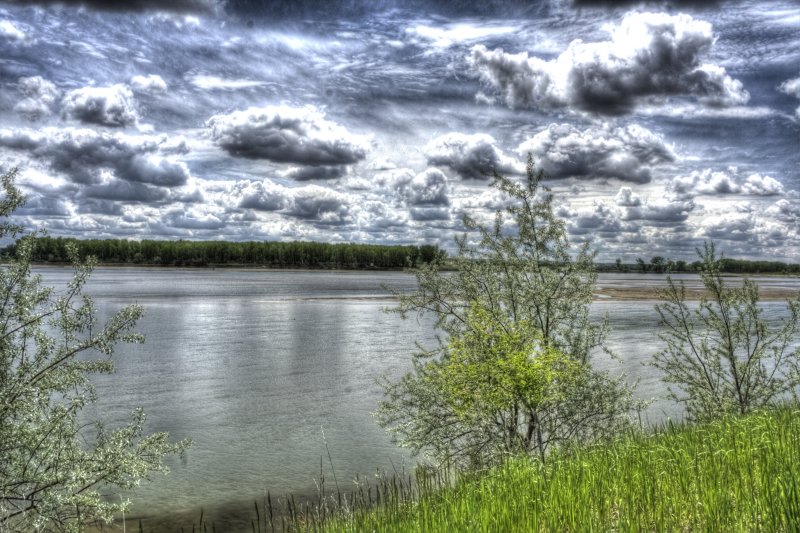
x=221 y=253
x=659 y=264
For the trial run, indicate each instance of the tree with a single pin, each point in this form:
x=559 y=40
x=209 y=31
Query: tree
x=658 y=263
x=54 y=468
x=642 y=264
x=723 y=356
x=514 y=374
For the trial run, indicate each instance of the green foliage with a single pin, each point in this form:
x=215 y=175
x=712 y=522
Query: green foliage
x=722 y=354
x=270 y=254
x=54 y=469
x=520 y=294
x=737 y=474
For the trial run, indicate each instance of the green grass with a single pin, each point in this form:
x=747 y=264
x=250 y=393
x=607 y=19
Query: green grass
x=737 y=474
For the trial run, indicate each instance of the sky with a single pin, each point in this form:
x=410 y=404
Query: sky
x=659 y=125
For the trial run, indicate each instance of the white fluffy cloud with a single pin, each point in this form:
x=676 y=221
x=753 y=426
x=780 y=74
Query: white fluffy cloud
x=744 y=227
x=471 y=156
x=91 y=157
x=792 y=88
x=112 y=106
x=40 y=95
x=11 y=32
x=785 y=210
x=626 y=153
x=310 y=202
x=287 y=135
x=648 y=55
x=428 y=188
x=709 y=182
x=662 y=211
x=150 y=84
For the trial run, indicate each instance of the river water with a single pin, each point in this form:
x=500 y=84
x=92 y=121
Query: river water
x=268 y=372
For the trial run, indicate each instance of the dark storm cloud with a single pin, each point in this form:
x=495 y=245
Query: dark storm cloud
x=625 y=153
x=287 y=135
x=649 y=55
x=84 y=155
x=112 y=106
x=471 y=156
x=177 y=6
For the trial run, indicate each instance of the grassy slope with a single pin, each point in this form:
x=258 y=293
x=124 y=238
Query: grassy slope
x=738 y=474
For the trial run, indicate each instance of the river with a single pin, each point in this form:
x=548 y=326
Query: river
x=264 y=369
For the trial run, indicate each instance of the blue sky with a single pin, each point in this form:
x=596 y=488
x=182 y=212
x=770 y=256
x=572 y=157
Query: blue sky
x=659 y=124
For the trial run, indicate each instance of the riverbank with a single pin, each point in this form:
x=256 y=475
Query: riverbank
x=736 y=474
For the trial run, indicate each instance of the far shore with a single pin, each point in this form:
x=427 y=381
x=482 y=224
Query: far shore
x=644 y=294
x=601 y=294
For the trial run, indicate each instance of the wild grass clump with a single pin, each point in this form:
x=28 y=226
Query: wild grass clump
x=734 y=474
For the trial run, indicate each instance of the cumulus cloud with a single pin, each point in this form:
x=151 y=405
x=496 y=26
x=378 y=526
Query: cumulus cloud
x=792 y=88
x=88 y=156
x=40 y=95
x=709 y=182
x=629 y=214
x=663 y=211
x=427 y=188
x=471 y=156
x=652 y=55
x=430 y=214
x=785 y=210
x=599 y=219
x=626 y=153
x=627 y=198
x=744 y=227
x=150 y=84
x=193 y=221
x=10 y=32
x=176 y=6
x=118 y=190
x=261 y=195
x=321 y=204
x=310 y=202
x=323 y=172
x=112 y=106
x=287 y=135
